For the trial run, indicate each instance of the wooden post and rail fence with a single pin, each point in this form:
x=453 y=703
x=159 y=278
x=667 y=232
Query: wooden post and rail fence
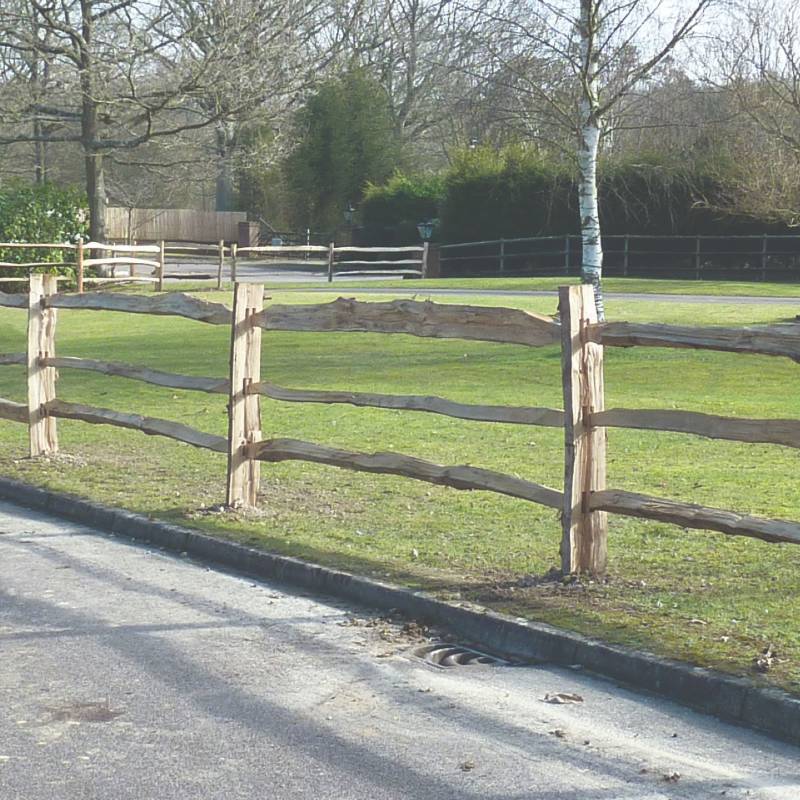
x=585 y=500
x=750 y=257
x=342 y=261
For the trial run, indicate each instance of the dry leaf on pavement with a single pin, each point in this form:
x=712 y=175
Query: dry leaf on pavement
x=561 y=698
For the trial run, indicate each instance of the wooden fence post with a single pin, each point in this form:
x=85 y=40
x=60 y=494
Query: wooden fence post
x=220 y=263
x=330 y=262
x=79 y=265
x=625 y=256
x=234 y=249
x=161 y=259
x=425 y=255
x=502 y=256
x=585 y=532
x=244 y=409
x=41 y=380
x=697 y=265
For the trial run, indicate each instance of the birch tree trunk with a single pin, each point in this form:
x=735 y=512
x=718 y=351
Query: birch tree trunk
x=588 y=143
x=592 y=262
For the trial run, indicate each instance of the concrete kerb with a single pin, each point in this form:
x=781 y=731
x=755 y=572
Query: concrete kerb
x=733 y=699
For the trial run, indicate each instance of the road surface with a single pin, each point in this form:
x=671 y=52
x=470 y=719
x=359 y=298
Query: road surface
x=130 y=674
x=315 y=282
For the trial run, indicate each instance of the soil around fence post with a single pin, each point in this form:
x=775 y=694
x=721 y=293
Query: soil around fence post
x=584 y=546
x=42 y=432
x=244 y=409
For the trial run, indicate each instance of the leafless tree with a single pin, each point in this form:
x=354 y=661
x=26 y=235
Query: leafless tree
x=415 y=49
x=122 y=73
x=568 y=65
x=282 y=48
x=759 y=65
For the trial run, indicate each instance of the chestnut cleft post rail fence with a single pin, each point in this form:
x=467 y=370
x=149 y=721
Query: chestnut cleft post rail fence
x=343 y=261
x=123 y=263
x=585 y=501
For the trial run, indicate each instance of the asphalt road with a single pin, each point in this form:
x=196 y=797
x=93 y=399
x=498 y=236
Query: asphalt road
x=127 y=673
x=316 y=283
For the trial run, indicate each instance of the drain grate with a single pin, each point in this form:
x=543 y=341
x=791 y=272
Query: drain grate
x=444 y=654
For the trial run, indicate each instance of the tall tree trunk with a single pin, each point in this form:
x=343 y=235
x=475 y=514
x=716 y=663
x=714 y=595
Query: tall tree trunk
x=592 y=262
x=38 y=79
x=225 y=145
x=92 y=157
x=588 y=142
x=96 y=194
x=39 y=153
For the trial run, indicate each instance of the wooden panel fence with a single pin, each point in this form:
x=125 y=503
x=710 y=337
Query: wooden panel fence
x=172 y=224
x=585 y=501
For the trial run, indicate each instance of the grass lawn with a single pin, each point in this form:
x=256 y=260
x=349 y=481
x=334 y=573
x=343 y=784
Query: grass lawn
x=611 y=285
x=696 y=595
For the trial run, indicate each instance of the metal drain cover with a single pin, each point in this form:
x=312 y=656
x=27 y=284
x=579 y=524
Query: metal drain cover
x=444 y=654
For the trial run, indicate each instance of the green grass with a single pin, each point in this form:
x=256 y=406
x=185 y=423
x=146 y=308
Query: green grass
x=611 y=285
x=468 y=545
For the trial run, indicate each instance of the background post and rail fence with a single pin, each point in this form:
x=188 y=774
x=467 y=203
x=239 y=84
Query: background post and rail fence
x=406 y=262
x=749 y=258
x=585 y=500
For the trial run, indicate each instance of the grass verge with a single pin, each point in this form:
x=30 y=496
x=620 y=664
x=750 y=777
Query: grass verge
x=700 y=596
x=611 y=286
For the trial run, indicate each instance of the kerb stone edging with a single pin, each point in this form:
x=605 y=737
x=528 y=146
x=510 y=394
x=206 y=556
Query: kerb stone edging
x=733 y=699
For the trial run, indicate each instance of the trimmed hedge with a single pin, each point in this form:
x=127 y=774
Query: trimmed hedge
x=519 y=192
x=392 y=211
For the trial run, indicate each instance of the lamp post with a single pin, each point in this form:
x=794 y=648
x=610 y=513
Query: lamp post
x=426 y=230
x=349 y=216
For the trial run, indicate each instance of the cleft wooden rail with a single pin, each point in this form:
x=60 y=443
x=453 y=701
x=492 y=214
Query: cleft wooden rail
x=333 y=260
x=585 y=500
x=124 y=256
x=345 y=261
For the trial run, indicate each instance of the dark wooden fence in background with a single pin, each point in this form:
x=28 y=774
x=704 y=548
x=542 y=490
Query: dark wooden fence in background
x=748 y=258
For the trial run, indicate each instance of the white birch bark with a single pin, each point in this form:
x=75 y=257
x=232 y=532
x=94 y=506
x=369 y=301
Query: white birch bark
x=592 y=261
x=588 y=143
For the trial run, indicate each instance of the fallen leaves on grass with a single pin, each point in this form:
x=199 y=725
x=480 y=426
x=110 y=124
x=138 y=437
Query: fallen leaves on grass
x=764 y=661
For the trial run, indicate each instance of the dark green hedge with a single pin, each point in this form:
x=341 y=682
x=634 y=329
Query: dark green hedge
x=391 y=212
x=517 y=192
